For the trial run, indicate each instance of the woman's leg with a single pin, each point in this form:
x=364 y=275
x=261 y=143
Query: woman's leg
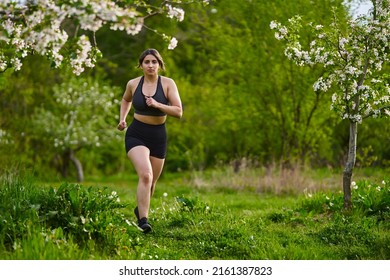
x=157 y=167
x=139 y=156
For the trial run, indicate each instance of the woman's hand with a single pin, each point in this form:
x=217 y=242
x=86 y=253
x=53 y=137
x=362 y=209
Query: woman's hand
x=122 y=125
x=151 y=102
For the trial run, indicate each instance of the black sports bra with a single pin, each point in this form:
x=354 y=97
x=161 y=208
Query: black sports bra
x=139 y=102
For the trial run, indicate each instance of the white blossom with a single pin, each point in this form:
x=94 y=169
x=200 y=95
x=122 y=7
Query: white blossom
x=283 y=31
x=342 y=42
x=273 y=25
x=174 y=12
x=360 y=52
x=172 y=43
x=3 y=63
x=41 y=31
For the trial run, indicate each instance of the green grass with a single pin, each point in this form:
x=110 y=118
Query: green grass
x=94 y=220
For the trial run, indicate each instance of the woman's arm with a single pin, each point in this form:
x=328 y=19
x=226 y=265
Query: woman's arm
x=125 y=106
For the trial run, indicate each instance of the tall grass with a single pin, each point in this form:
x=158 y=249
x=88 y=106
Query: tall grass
x=277 y=179
x=192 y=221
x=46 y=219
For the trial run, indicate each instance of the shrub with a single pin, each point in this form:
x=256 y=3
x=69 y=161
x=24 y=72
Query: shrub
x=82 y=214
x=368 y=199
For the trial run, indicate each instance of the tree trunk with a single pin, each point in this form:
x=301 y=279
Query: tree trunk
x=65 y=163
x=350 y=164
x=79 y=167
x=67 y=157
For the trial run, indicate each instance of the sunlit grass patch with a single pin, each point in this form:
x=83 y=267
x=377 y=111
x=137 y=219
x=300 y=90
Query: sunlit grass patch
x=272 y=179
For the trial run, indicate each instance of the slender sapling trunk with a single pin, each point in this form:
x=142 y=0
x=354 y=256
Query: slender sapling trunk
x=350 y=164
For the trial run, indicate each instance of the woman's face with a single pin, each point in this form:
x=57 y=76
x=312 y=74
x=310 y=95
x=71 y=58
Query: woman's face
x=150 y=64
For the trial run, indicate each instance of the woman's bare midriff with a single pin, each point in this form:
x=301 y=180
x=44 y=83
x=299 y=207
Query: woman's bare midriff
x=154 y=120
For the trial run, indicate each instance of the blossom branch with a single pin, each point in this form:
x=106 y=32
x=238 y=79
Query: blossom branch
x=37 y=28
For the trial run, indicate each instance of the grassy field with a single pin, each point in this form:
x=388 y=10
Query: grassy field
x=219 y=214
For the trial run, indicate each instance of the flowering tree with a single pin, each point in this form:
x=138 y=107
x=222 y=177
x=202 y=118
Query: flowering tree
x=82 y=118
x=352 y=59
x=38 y=26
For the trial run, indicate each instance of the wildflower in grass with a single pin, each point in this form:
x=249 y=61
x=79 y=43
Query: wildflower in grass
x=378 y=188
x=383 y=182
x=354 y=186
x=165 y=194
x=307 y=194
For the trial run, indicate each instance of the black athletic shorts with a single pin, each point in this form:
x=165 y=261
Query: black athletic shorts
x=154 y=137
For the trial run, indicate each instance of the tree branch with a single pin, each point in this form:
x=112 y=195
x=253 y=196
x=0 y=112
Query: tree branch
x=381 y=110
x=157 y=12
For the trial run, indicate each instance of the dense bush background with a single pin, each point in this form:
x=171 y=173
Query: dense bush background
x=242 y=98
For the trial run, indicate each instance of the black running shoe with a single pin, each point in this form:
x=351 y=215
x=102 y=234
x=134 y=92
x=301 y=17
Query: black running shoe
x=144 y=225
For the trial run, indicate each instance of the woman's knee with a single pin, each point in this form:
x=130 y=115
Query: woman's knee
x=146 y=177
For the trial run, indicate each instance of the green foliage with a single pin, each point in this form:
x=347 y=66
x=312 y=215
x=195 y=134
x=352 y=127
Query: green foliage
x=76 y=222
x=368 y=198
x=257 y=103
x=192 y=205
x=84 y=115
x=69 y=213
x=45 y=244
x=241 y=97
x=20 y=92
x=348 y=237
x=373 y=151
x=84 y=212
